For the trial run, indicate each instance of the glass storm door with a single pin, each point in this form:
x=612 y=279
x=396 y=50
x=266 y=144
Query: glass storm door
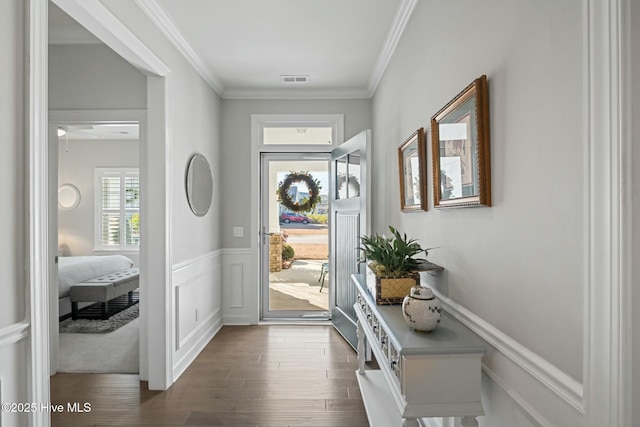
x=294 y=245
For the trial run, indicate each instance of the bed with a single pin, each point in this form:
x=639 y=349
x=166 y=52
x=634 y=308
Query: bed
x=79 y=269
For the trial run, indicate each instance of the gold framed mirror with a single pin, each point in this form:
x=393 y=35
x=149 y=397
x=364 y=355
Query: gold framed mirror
x=460 y=147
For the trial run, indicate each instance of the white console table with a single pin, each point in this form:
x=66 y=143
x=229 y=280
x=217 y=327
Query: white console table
x=435 y=374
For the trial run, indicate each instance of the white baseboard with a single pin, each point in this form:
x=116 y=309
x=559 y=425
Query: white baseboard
x=237 y=320
x=208 y=332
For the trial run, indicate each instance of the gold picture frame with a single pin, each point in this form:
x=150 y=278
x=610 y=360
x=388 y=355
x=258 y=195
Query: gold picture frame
x=412 y=161
x=460 y=148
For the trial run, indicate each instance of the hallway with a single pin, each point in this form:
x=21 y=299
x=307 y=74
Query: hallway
x=276 y=375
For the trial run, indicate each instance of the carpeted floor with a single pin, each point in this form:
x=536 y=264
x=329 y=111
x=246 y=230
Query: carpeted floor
x=113 y=352
x=98 y=326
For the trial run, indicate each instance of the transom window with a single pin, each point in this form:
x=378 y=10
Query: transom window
x=117 y=209
x=305 y=135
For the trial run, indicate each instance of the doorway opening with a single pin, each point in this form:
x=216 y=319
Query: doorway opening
x=98 y=235
x=295 y=236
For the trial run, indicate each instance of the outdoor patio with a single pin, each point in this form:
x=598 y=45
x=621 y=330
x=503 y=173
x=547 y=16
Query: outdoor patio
x=298 y=287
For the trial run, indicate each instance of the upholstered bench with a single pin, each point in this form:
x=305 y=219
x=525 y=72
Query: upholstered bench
x=103 y=289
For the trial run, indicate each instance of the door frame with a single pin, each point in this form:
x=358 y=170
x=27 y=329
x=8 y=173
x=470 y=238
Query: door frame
x=259 y=122
x=156 y=163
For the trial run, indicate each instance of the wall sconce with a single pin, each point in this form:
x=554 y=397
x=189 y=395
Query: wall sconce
x=68 y=197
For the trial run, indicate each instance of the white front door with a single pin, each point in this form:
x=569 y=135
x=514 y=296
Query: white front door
x=350 y=205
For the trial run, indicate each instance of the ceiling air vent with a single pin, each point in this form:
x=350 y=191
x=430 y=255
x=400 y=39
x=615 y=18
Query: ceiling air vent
x=294 y=79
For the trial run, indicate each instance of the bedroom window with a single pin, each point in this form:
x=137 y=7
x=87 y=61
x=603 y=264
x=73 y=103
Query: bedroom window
x=117 y=209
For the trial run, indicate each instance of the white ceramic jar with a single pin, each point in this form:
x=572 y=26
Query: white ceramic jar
x=421 y=309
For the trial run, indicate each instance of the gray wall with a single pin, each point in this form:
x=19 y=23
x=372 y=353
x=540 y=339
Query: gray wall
x=236 y=150
x=517 y=265
x=77 y=166
x=93 y=77
x=13 y=349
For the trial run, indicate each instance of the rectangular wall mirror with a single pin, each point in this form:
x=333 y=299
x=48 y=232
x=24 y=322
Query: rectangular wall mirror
x=460 y=147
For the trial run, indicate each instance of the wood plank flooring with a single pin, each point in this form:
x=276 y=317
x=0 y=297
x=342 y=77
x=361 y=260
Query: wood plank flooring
x=278 y=375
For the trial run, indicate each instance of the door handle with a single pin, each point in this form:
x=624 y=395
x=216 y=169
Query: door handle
x=361 y=260
x=265 y=234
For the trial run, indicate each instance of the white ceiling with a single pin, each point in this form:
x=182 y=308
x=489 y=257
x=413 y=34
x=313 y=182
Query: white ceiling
x=105 y=131
x=243 y=47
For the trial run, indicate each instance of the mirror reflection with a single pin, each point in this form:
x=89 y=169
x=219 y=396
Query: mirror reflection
x=199 y=185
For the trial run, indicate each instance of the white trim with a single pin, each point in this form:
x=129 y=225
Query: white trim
x=167 y=26
x=96 y=18
x=155 y=260
x=212 y=328
x=237 y=251
x=549 y=375
x=625 y=407
x=260 y=121
x=257 y=121
x=405 y=9
x=197 y=259
x=608 y=283
x=13 y=333
x=36 y=131
x=121 y=174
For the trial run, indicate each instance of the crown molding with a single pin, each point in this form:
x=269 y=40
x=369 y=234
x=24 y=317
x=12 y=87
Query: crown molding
x=404 y=12
x=167 y=26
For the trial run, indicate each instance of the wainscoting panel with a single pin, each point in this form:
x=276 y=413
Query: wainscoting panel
x=13 y=371
x=507 y=364
x=240 y=289
x=197 y=313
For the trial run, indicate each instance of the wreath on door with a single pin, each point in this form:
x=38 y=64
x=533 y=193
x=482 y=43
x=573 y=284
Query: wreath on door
x=308 y=203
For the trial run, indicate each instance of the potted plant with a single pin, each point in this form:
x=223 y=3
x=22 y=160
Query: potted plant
x=392 y=266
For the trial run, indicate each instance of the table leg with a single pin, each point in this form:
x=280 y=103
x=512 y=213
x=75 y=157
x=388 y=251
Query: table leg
x=410 y=422
x=469 y=422
x=361 y=350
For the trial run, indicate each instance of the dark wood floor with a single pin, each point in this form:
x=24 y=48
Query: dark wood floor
x=246 y=376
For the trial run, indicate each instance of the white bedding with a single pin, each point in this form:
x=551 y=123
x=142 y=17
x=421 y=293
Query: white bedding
x=77 y=269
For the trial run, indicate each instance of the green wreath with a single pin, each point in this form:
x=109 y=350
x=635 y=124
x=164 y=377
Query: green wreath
x=308 y=203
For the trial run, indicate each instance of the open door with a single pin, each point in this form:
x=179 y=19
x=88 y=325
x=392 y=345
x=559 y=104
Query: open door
x=350 y=207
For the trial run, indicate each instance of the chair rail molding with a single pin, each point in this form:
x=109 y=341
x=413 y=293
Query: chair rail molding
x=536 y=367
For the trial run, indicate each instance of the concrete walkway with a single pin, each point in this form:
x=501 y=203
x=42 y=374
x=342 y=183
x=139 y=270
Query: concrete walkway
x=298 y=287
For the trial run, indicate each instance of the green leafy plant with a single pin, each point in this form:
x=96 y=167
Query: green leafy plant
x=287 y=252
x=392 y=256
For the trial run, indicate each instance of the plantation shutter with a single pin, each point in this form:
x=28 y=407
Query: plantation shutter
x=118 y=210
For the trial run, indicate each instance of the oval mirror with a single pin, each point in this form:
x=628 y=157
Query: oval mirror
x=68 y=196
x=199 y=185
